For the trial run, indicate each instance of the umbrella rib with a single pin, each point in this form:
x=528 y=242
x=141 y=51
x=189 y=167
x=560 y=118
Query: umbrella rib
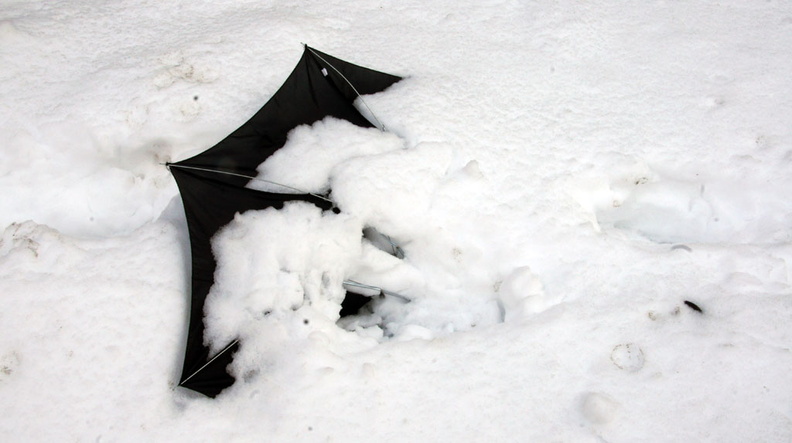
x=219 y=171
x=209 y=362
x=356 y=284
x=381 y=126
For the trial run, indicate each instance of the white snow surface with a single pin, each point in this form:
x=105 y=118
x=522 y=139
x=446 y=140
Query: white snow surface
x=562 y=177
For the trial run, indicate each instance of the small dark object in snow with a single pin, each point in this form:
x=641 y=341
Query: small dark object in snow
x=305 y=321
x=693 y=306
x=195 y=97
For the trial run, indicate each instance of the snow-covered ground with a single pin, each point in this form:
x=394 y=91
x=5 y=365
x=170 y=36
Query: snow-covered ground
x=562 y=177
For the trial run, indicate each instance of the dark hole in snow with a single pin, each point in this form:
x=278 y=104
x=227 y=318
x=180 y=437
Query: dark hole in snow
x=250 y=375
x=353 y=303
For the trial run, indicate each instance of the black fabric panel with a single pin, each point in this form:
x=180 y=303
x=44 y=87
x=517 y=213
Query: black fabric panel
x=365 y=80
x=305 y=97
x=209 y=204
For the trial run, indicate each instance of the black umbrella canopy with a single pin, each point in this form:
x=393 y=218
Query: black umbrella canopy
x=212 y=184
x=319 y=86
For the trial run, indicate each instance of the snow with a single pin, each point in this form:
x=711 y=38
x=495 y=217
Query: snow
x=561 y=176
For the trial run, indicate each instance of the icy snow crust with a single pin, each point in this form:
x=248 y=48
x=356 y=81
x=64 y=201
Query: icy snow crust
x=562 y=177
